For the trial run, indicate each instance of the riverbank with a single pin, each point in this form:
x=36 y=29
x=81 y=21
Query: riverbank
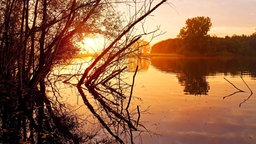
x=222 y=56
x=180 y=56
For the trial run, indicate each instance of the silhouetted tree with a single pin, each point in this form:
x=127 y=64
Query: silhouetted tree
x=194 y=34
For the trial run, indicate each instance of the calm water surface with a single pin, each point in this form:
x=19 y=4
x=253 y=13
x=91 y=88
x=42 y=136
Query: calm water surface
x=190 y=102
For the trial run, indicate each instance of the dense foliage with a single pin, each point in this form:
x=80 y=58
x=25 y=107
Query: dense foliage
x=193 y=40
x=166 y=46
x=235 y=45
x=194 y=34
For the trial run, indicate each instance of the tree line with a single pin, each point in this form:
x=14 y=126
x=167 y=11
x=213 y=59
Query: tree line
x=194 y=40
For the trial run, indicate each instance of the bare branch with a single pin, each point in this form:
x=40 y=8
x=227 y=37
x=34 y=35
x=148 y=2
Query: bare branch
x=234 y=85
x=251 y=93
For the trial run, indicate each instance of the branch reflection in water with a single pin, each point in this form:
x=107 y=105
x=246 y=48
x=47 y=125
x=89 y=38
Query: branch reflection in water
x=107 y=97
x=174 y=114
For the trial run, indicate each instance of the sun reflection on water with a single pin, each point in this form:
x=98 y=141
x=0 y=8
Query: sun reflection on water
x=185 y=118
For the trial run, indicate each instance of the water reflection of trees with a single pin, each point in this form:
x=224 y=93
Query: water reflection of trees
x=194 y=84
x=142 y=63
x=192 y=73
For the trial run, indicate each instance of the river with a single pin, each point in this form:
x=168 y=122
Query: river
x=192 y=101
x=195 y=101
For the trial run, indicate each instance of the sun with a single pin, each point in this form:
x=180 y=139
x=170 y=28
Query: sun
x=91 y=44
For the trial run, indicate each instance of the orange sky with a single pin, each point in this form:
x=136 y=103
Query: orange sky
x=228 y=16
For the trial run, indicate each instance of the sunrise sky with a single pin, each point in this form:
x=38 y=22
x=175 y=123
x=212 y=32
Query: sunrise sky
x=228 y=17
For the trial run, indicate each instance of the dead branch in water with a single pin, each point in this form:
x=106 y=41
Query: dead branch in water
x=239 y=90
x=234 y=85
x=251 y=93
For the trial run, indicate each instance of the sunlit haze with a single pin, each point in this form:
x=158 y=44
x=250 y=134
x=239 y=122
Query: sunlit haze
x=91 y=44
x=228 y=17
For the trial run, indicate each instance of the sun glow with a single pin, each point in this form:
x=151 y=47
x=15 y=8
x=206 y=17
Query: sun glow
x=91 y=44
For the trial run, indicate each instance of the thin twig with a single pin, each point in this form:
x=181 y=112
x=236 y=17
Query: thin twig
x=233 y=85
x=231 y=94
x=133 y=81
x=251 y=93
x=247 y=85
x=129 y=101
x=138 y=119
x=238 y=90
